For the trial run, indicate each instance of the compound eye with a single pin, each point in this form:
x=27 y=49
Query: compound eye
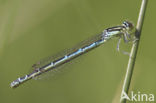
x=128 y=25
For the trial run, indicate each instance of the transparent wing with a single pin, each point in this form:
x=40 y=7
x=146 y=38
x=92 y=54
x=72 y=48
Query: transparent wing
x=61 y=54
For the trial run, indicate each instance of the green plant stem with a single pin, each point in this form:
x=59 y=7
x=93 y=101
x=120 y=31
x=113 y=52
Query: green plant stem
x=134 y=49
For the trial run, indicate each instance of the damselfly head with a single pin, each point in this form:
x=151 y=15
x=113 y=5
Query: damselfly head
x=128 y=25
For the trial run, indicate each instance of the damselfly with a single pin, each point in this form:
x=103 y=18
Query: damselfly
x=121 y=31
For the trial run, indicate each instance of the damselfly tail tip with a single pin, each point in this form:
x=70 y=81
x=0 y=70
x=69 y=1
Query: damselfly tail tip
x=19 y=81
x=14 y=84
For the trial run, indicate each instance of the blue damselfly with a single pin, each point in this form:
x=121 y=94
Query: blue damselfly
x=121 y=31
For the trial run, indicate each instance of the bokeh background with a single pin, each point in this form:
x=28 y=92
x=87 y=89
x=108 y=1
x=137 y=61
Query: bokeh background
x=33 y=29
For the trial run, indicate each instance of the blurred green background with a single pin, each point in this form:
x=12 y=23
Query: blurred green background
x=33 y=29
